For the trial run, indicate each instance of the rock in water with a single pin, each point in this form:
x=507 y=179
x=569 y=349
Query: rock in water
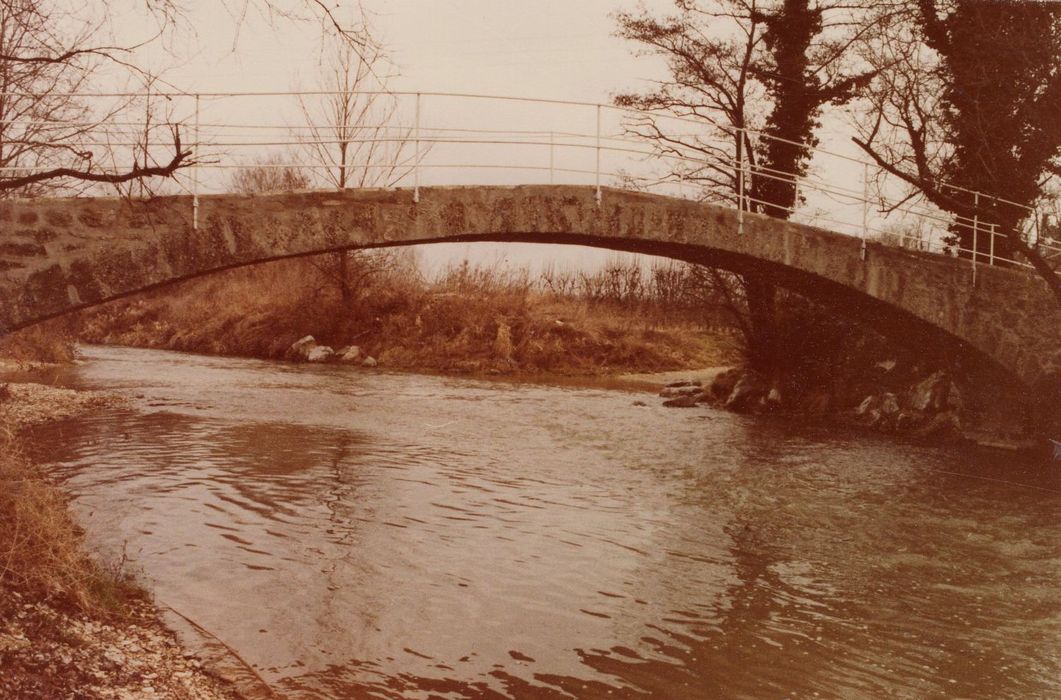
x=351 y=355
x=300 y=349
x=945 y=426
x=369 y=362
x=321 y=353
x=908 y=420
x=954 y=401
x=687 y=401
x=684 y=390
x=930 y=394
x=870 y=403
x=723 y=383
x=748 y=394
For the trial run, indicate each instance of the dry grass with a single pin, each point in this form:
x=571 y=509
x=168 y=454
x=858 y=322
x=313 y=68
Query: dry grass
x=468 y=319
x=41 y=551
x=49 y=342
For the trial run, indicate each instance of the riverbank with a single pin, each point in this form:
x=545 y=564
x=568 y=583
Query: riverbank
x=375 y=311
x=469 y=320
x=929 y=409
x=71 y=626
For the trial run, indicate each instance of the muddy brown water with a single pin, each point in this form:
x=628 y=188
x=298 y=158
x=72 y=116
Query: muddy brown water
x=355 y=534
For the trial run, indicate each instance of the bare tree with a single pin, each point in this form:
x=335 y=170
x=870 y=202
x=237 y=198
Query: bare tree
x=49 y=140
x=34 y=122
x=353 y=129
x=353 y=134
x=354 y=34
x=754 y=75
x=710 y=83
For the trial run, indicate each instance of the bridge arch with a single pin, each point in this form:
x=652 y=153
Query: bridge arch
x=60 y=255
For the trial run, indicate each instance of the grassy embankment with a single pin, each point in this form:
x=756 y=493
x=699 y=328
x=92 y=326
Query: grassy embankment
x=467 y=319
x=40 y=545
x=52 y=342
x=41 y=553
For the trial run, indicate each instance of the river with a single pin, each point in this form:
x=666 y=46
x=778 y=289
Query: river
x=363 y=534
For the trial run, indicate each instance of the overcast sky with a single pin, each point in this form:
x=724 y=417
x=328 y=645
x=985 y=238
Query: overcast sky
x=544 y=48
x=553 y=49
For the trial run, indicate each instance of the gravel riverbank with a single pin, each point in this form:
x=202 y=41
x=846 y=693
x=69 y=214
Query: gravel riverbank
x=69 y=640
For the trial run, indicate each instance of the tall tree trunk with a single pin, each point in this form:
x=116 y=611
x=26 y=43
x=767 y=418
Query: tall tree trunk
x=762 y=344
x=342 y=272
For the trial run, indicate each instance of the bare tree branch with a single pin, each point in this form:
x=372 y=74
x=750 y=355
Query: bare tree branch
x=180 y=159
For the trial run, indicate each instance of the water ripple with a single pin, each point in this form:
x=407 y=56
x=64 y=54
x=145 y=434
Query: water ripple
x=372 y=535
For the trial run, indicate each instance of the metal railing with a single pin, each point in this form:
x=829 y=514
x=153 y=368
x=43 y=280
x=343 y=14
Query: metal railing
x=422 y=139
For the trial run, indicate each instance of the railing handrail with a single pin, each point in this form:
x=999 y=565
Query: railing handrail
x=215 y=139
x=170 y=94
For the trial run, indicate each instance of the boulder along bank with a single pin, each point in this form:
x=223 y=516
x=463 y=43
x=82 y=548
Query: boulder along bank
x=921 y=406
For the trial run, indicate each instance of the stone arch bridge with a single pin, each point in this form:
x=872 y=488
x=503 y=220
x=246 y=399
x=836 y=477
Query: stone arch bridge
x=58 y=255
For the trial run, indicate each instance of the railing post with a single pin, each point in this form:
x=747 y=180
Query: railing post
x=991 y=250
x=976 y=230
x=740 y=182
x=598 y=156
x=195 y=169
x=552 y=136
x=865 y=210
x=416 y=153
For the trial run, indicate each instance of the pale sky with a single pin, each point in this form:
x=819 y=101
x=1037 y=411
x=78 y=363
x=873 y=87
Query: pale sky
x=551 y=49
x=559 y=49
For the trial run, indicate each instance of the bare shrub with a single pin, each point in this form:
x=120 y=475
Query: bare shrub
x=467 y=317
x=273 y=173
x=49 y=342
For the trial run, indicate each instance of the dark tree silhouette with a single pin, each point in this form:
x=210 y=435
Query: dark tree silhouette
x=969 y=97
x=740 y=65
x=802 y=71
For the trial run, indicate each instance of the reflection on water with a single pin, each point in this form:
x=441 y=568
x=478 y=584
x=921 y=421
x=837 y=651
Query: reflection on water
x=375 y=535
